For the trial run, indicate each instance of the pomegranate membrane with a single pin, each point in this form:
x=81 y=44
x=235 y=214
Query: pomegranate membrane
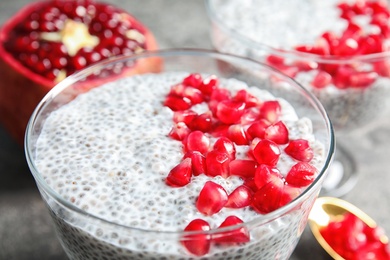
x=178 y=165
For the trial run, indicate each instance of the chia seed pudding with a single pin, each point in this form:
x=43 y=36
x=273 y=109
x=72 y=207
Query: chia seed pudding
x=108 y=153
x=293 y=31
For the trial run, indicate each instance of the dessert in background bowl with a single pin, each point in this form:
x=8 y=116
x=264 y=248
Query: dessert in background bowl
x=339 y=50
x=46 y=41
x=213 y=157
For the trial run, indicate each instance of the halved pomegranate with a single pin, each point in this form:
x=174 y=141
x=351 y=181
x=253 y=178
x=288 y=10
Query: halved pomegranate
x=48 y=40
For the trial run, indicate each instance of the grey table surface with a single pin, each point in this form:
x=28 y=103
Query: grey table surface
x=25 y=227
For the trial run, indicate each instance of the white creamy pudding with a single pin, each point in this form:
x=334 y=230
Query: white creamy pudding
x=109 y=151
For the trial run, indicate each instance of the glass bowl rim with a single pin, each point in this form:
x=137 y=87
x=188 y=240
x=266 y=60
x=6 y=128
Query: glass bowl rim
x=293 y=54
x=262 y=219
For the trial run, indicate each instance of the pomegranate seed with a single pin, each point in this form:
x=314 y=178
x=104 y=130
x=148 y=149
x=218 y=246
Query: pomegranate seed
x=237 y=134
x=305 y=65
x=193 y=94
x=197 y=141
x=300 y=150
x=321 y=79
x=267 y=198
x=197 y=244
x=177 y=90
x=202 y=122
x=180 y=175
x=243 y=168
x=301 y=174
x=198 y=162
x=243 y=96
x=209 y=84
x=249 y=116
x=239 y=198
x=275 y=60
x=224 y=145
x=238 y=235
x=270 y=110
x=382 y=68
x=230 y=112
x=212 y=198
x=362 y=79
x=193 y=80
x=179 y=131
x=347 y=47
x=177 y=103
x=220 y=130
x=185 y=116
x=220 y=94
x=265 y=174
x=277 y=133
x=217 y=163
x=266 y=152
x=250 y=183
x=342 y=76
x=289 y=193
x=257 y=129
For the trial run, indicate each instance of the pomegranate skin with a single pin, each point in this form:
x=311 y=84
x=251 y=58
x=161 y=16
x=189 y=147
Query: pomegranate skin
x=21 y=89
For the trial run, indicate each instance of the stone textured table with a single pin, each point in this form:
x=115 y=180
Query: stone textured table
x=25 y=226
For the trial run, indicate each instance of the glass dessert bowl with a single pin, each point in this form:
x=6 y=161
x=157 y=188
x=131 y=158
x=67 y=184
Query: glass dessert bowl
x=336 y=49
x=161 y=164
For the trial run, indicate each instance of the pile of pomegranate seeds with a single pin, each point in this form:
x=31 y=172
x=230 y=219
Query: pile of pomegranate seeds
x=352 y=239
x=60 y=37
x=356 y=39
x=209 y=143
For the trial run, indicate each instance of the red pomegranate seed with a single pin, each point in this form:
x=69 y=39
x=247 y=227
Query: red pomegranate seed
x=270 y=110
x=347 y=47
x=198 y=162
x=250 y=183
x=220 y=94
x=223 y=144
x=257 y=129
x=193 y=80
x=266 y=152
x=217 y=163
x=305 y=65
x=197 y=244
x=180 y=175
x=265 y=174
x=382 y=68
x=238 y=235
x=229 y=111
x=177 y=103
x=239 y=198
x=179 y=131
x=301 y=174
x=193 y=94
x=243 y=168
x=220 y=130
x=243 y=96
x=197 y=141
x=275 y=60
x=209 y=84
x=249 y=116
x=300 y=150
x=237 y=134
x=321 y=79
x=267 y=198
x=277 y=133
x=202 y=122
x=289 y=193
x=212 y=198
x=185 y=116
x=362 y=79
x=341 y=79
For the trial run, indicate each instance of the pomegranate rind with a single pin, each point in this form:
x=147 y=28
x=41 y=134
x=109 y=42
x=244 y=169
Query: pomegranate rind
x=21 y=89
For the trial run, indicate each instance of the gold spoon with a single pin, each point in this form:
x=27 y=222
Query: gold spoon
x=327 y=208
